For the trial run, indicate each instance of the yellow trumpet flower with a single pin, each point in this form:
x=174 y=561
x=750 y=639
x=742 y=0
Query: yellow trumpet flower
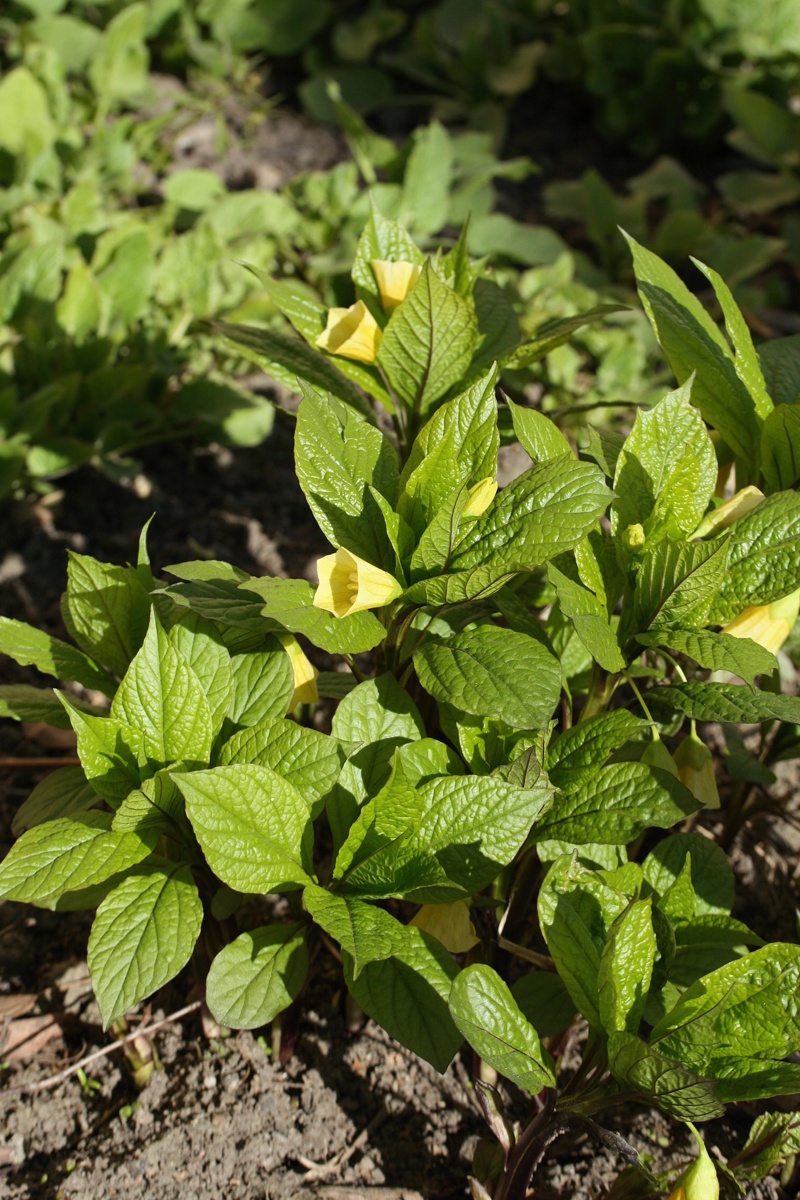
x=352 y=332
x=348 y=585
x=395 y=280
x=743 y=502
x=767 y=624
x=700 y=1181
x=480 y=497
x=305 y=673
x=450 y=924
x=695 y=765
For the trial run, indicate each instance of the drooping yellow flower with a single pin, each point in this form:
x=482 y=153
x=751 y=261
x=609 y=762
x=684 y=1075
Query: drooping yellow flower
x=743 y=502
x=450 y=924
x=700 y=1181
x=395 y=280
x=767 y=624
x=695 y=765
x=348 y=585
x=480 y=497
x=352 y=332
x=305 y=673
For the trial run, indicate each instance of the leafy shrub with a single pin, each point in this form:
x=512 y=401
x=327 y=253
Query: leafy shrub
x=514 y=665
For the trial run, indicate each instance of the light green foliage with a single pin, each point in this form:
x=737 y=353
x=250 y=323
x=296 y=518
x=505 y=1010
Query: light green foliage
x=257 y=975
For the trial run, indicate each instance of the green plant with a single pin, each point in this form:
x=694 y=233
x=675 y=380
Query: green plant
x=497 y=775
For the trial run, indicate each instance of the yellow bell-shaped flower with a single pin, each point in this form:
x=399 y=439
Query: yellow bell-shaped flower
x=395 y=280
x=767 y=624
x=724 y=516
x=305 y=673
x=352 y=332
x=700 y=1181
x=695 y=765
x=480 y=497
x=450 y=924
x=348 y=585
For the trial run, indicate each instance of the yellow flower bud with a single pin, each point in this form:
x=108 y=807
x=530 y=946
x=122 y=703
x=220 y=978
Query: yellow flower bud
x=395 y=280
x=450 y=924
x=743 y=502
x=348 y=585
x=695 y=765
x=700 y=1181
x=633 y=537
x=305 y=673
x=352 y=332
x=767 y=624
x=480 y=497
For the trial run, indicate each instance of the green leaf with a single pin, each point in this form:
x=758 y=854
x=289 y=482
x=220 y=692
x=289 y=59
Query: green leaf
x=200 y=645
x=118 y=72
x=435 y=545
x=384 y=240
x=676 y=1090
x=677 y=583
x=692 y=343
x=428 y=343
x=488 y=1016
x=21 y=702
x=590 y=617
x=468 y=425
x=577 y=755
x=554 y=333
x=498 y=326
x=337 y=454
x=716 y=651
x=616 y=805
x=711 y=876
x=746 y=361
x=376 y=710
x=537 y=434
x=288 y=359
x=727 y=702
x=442 y=841
x=493 y=672
x=311 y=761
x=626 y=967
x=764 y=557
x=257 y=976
x=773 y=1138
x=290 y=602
x=780 y=361
x=143 y=934
x=253 y=826
x=407 y=992
x=66 y=855
x=164 y=700
x=780 y=449
x=667 y=470
x=62 y=793
x=543 y=998
x=745 y=1010
x=472 y=584
x=26 y=124
x=353 y=923
x=108 y=750
x=428 y=177
x=543 y=512
x=31 y=647
x=263 y=683
x=106 y=610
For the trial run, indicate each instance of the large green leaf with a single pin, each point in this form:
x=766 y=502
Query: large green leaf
x=108 y=750
x=253 y=826
x=728 y=702
x=428 y=342
x=716 y=651
x=676 y=1090
x=468 y=423
x=677 y=583
x=31 y=647
x=311 y=761
x=377 y=709
x=386 y=241
x=353 y=923
x=537 y=434
x=764 y=557
x=143 y=934
x=66 y=855
x=667 y=470
x=578 y=754
x=693 y=343
x=589 y=615
x=263 y=683
x=257 y=975
x=337 y=455
x=493 y=672
x=711 y=876
x=616 y=805
x=626 y=967
x=554 y=333
x=106 y=610
x=163 y=699
x=22 y=702
x=486 y=1013
x=62 y=793
x=200 y=645
x=745 y=361
x=780 y=448
x=543 y=512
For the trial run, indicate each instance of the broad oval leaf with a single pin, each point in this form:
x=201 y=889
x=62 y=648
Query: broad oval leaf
x=257 y=975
